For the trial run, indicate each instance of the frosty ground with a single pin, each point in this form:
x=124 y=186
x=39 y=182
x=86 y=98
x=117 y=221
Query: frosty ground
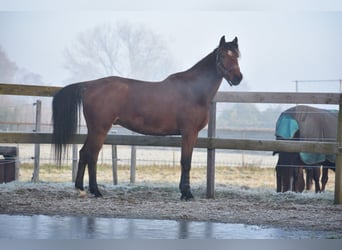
x=243 y=195
x=232 y=204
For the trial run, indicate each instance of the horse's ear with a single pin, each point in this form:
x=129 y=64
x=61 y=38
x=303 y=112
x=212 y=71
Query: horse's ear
x=235 y=43
x=235 y=40
x=222 y=41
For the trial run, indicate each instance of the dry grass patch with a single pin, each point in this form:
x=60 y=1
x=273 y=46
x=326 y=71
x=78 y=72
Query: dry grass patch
x=246 y=177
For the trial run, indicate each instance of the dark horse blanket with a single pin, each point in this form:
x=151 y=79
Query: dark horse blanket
x=307 y=123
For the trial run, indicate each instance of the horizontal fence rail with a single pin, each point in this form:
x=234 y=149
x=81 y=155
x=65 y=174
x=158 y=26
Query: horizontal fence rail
x=278 y=97
x=27 y=90
x=239 y=97
x=211 y=143
x=168 y=141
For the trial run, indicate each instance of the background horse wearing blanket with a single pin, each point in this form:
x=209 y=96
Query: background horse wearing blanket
x=308 y=124
x=178 y=105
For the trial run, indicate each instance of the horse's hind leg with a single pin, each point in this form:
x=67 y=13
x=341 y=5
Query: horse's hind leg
x=298 y=179
x=324 y=179
x=287 y=178
x=309 y=177
x=316 y=176
x=81 y=168
x=88 y=156
x=94 y=145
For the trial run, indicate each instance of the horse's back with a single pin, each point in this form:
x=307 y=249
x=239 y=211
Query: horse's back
x=313 y=123
x=144 y=107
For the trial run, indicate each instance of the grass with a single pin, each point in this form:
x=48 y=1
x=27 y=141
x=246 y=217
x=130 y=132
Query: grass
x=248 y=177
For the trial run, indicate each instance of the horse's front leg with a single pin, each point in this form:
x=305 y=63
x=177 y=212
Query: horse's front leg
x=188 y=143
x=93 y=188
x=279 y=179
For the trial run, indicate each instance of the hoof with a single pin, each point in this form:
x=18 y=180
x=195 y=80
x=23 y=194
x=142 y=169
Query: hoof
x=187 y=196
x=96 y=193
x=82 y=193
x=79 y=187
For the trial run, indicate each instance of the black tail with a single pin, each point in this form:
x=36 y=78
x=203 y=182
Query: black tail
x=66 y=105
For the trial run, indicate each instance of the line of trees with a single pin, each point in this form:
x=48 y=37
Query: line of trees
x=247 y=115
x=14 y=109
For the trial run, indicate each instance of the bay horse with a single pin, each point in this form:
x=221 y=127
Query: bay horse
x=178 y=105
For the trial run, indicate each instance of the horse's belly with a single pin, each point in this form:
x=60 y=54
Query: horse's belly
x=143 y=126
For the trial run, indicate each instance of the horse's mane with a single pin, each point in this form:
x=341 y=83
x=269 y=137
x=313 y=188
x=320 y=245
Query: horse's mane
x=204 y=61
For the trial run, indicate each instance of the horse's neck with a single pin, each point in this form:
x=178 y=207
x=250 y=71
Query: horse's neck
x=202 y=80
x=205 y=78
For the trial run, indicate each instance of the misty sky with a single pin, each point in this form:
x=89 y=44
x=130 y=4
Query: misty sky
x=277 y=47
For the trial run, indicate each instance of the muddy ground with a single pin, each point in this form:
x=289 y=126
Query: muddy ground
x=232 y=204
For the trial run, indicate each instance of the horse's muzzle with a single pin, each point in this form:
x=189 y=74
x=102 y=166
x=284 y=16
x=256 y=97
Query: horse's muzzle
x=235 y=80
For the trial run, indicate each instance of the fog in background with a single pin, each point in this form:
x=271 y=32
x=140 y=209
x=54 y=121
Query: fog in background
x=276 y=47
x=57 y=46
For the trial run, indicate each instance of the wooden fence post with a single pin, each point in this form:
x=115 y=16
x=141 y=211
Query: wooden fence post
x=17 y=164
x=74 y=161
x=133 y=163
x=115 y=164
x=211 y=153
x=35 y=177
x=338 y=172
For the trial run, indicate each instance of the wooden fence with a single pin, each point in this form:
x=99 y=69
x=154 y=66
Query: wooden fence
x=210 y=142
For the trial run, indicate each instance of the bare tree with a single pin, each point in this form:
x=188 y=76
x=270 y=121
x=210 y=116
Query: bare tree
x=14 y=109
x=7 y=67
x=7 y=74
x=124 y=50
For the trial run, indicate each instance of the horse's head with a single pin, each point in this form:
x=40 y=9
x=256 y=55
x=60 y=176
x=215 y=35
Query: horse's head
x=227 y=65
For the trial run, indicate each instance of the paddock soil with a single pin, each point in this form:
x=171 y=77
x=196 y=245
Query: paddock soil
x=232 y=204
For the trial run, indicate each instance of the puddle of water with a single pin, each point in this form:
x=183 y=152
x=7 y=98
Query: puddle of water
x=58 y=227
